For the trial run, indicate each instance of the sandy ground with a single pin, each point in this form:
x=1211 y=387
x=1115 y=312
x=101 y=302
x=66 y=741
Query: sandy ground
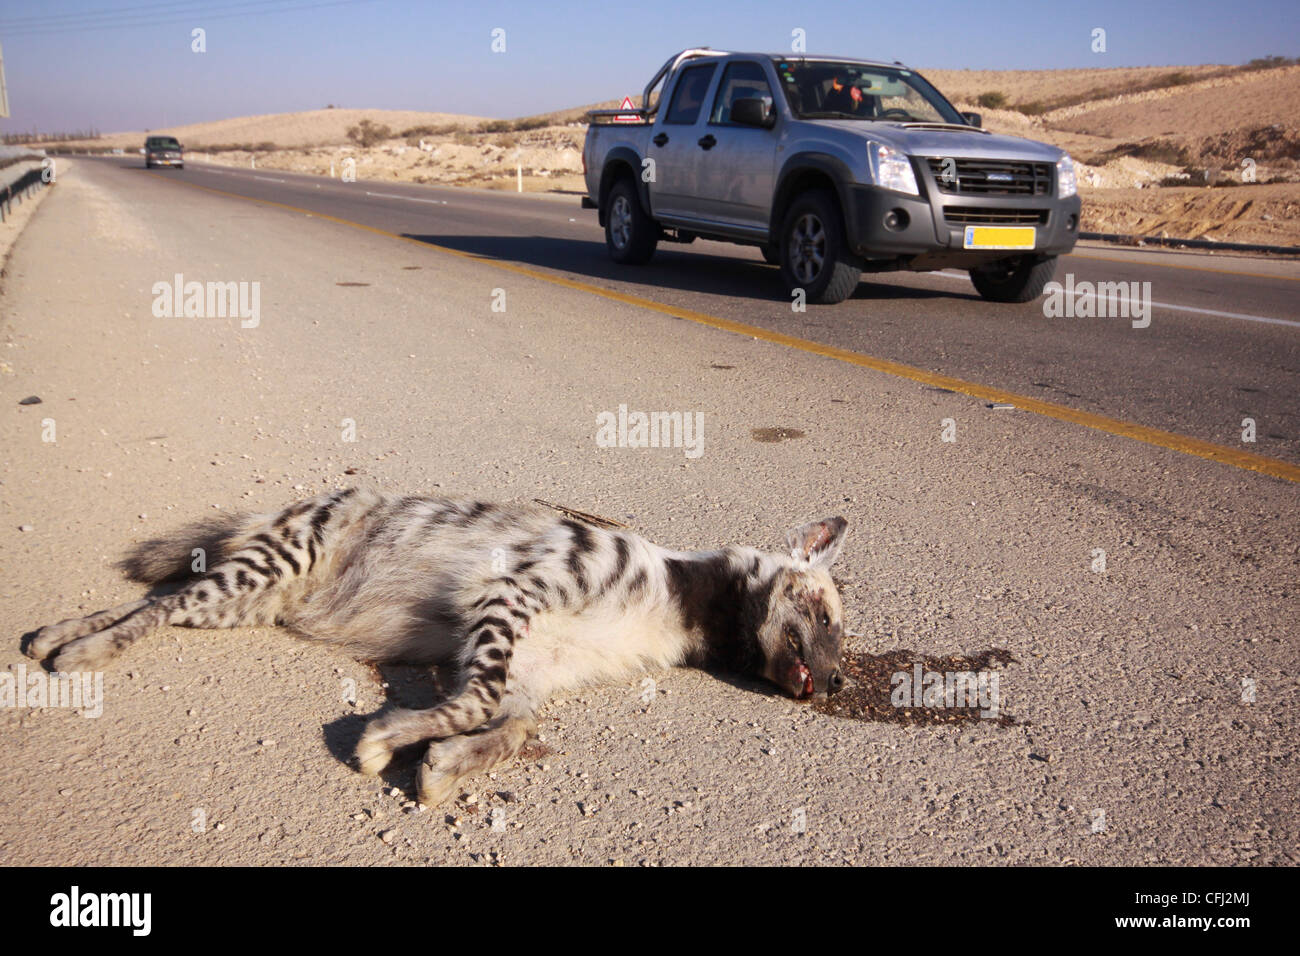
x=550 y=159
x=1047 y=86
x=1189 y=112
x=1132 y=743
x=1263 y=214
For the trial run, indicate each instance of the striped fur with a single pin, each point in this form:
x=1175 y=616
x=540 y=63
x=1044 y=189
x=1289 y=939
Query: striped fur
x=516 y=601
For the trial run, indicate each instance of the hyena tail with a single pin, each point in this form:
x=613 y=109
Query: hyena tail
x=173 y=557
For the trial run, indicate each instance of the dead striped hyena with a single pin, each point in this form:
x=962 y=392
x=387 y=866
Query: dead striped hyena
x=519 y=602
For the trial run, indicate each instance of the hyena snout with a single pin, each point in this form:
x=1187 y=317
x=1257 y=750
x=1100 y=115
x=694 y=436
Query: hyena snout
x=835 y=683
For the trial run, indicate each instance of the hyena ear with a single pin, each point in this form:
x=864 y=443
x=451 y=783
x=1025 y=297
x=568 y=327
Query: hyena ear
x=817 y=542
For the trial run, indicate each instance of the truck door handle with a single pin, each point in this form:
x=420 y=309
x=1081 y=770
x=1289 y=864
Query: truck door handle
x=661 y=139
x=708 y=142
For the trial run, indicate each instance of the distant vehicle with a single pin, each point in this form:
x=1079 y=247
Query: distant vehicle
x=832 y=167
x=163 y=151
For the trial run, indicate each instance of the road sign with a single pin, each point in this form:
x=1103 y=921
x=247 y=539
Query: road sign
x=627 y=104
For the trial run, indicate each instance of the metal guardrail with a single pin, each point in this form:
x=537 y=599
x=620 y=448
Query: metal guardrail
x=18 y=188
x=19 y=152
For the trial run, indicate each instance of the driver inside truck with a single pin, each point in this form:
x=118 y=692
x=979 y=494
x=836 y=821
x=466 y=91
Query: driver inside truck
x=844 y=96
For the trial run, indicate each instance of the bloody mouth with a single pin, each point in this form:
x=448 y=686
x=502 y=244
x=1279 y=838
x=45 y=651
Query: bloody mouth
x=802 y=680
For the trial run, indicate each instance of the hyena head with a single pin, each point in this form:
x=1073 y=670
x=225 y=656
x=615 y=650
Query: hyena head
x=802 y=635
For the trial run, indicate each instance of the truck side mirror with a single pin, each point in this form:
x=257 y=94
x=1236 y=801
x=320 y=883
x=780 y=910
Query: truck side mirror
x=972 y=119
x=752 y=111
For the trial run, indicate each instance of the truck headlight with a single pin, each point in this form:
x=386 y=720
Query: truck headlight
x=891 y=169
x=1067 y=184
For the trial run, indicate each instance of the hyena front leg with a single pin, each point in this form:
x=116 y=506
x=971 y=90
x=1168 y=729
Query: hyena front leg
x=230 y=594
x=448 y=761
x=497 y=622
x=53 y=636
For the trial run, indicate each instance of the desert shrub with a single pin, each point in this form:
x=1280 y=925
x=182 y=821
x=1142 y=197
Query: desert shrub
x=417 y=131
x=531 y=122
x=993 y=100
x=368 y=133
x=1033 y=108
x=1271 y=62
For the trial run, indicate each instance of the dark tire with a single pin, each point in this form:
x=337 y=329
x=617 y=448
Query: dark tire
x=814 y=254
x=772 y=254
x=1013 y=280
x=630 y=235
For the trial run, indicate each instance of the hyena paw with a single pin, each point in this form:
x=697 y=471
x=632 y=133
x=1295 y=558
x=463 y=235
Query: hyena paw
x=375 y=749
x=85 y=654
x=439 y=774
x=53 y=636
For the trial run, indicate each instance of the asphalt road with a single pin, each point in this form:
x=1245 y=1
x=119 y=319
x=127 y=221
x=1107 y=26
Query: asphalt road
x=1223 y=342
x=1146 y=595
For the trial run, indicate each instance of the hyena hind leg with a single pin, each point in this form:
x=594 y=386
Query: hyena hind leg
x=490 y=639
x=227 y=596
x=53 y=636
x=449 y=761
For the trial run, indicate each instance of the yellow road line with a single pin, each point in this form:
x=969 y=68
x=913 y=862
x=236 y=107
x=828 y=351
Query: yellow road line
x=1113 y=426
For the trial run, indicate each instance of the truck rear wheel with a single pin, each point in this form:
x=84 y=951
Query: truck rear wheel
x=1013 y=280
x=630 y=234
x=814 y=254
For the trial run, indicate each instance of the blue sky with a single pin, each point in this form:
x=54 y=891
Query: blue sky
x=134 y=68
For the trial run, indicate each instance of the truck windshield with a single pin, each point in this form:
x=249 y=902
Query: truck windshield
x=822 y=89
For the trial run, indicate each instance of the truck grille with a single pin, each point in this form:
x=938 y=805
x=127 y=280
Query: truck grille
x=992 y=177
x=977 y=216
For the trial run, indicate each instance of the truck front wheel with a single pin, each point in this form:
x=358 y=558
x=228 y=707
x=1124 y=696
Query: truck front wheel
x=814 y=254
x=1013 y=280
x=630 y=234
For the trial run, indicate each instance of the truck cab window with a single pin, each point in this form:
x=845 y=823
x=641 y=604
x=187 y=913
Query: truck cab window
x=688 y=97
x=742 y=80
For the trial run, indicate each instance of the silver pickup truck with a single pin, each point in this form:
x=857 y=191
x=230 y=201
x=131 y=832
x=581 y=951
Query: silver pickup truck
x=832 y=167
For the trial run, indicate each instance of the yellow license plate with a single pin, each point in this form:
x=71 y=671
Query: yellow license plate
x=1000 y=237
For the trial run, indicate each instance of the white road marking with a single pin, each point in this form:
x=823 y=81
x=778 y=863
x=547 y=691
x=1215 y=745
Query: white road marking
x=436 y=202
x=269 y=179
x=1269 y=320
